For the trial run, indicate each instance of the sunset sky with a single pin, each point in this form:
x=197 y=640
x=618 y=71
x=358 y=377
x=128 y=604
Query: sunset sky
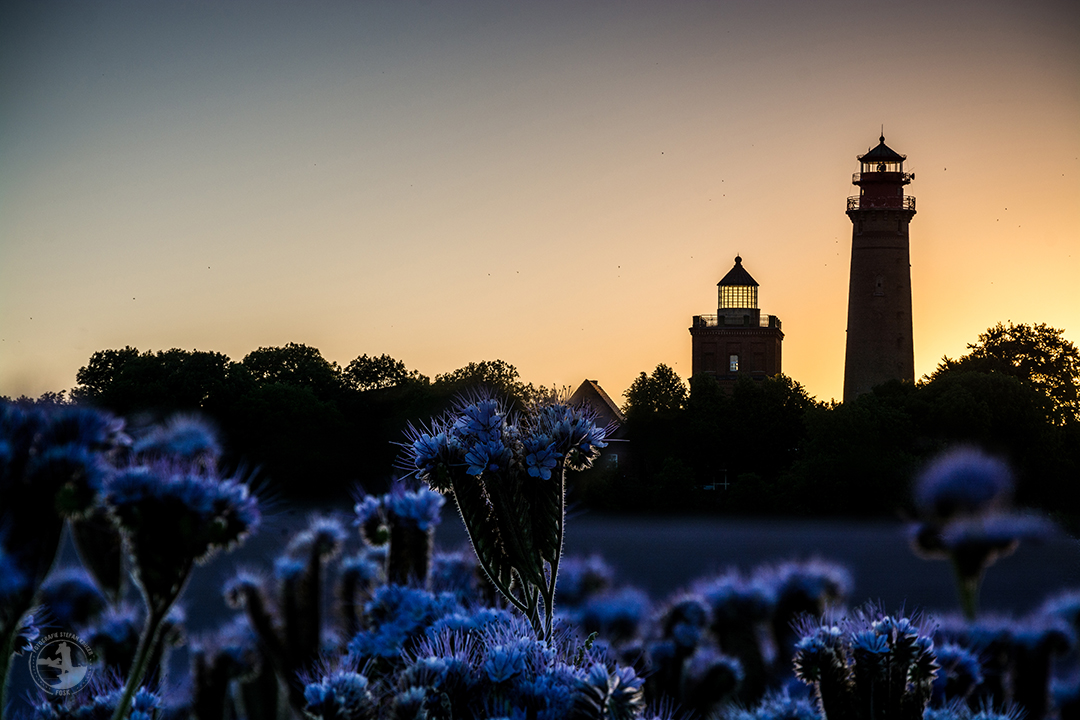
x=559 y=185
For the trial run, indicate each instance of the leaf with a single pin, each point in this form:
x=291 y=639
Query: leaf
x=512 y=513
x=476 y=513
x=546 y=514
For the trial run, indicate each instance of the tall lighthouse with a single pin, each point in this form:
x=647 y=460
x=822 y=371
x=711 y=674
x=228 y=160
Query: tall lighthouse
x=879 y=343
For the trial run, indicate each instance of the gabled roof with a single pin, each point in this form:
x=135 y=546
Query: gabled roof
x=590 y=393
x=882 y=153
x=738 y=275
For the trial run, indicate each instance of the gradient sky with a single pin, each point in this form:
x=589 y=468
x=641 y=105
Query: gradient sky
x=556 y=184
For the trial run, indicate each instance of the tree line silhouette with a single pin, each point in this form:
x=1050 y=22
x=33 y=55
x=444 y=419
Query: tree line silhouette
x=766 y=447
x=309 y=428
x=312 y=430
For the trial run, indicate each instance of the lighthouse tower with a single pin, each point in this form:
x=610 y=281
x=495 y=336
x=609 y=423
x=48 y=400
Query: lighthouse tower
x=879 y=344
x=738 y=340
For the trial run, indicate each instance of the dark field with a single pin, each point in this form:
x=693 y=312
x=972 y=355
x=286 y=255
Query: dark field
x=662 y=554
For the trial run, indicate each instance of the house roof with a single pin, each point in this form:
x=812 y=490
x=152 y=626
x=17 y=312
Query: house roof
x=590 y=393
x=882 y=153
x=738 y=275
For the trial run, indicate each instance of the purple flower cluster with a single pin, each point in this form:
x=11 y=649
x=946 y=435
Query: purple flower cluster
x=964 y=481
x=340 y=695
x=963 y=499
x=868 y=665
x=481 y=436
x=173 y=517
x=185 y=438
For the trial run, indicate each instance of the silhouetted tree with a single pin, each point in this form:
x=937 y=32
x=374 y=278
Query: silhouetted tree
x=492 y=374
x=378 y=373
x=661 y=393
x=295 y=365
x=857 y=457
x=127 y=381
x=1037 y=354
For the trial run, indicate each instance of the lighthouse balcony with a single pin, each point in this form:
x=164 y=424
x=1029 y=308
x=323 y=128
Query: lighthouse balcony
x=706 y=321
x=881 y=202
x=882 y=177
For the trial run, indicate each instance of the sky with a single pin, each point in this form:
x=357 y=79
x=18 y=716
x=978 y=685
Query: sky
x=559 y=185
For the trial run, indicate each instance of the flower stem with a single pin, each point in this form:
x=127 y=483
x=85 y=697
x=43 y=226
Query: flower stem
x=968 y=588
x=7 y=651
x=147 y=643
x=549 y=591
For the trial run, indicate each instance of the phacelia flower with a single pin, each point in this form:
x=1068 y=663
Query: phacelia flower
x=182 y=438
x=429 y=455
x=481 y=421
x=503 y=663
x=541 y=456
x=341 y=695
x=421 y=507
x=71 y=597
x=962 y=482
x=486 y=456
x=172 y=518
x=323 y=536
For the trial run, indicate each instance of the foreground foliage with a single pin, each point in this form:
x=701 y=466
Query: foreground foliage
x=380 y=624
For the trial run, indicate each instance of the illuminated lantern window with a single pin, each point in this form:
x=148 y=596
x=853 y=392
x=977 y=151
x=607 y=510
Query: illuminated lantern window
x=738 y=291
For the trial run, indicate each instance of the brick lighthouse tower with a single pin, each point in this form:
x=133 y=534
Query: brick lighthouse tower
x=879 y=344
x=738 y=340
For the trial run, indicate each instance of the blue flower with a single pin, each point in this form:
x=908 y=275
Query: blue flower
x=481 y=421
x=960 y=673
x=288 y=568
x=503 y=663
x=870 y=642
x=429 y=454
x=144 y=705
x=573 y=430
x=185 y=438
x=340 y=695
x=397 y=616
x=963 y=481
x=13 y=581
x=422 y=507
x=580 y=578
x=616 y=616
x=71 y=597
x=998 y=531
x=74 y=474
x=486 y=456
x=323 y=536
x=734 y=600
x=93 y=429
x=556 y=688
x=541 y=456
x=172 y=518
x=710 y=677
x=454 y=572
x=779 y=706
x=685 y=620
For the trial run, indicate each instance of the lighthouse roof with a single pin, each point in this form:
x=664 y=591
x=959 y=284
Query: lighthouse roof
x=738 y=275
x=882 y=153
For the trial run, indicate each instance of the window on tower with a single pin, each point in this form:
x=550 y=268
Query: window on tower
x=738 y=296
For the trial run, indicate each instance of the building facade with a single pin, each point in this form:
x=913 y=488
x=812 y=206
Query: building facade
x=738 y=340
x=879 y=328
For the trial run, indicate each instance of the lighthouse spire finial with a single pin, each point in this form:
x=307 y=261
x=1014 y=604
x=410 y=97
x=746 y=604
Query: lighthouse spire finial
x=882 y=132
